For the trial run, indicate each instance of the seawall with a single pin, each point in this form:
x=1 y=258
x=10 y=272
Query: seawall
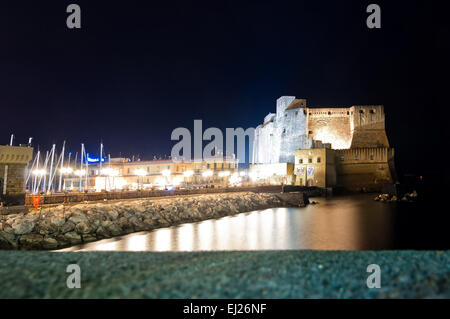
x=63 y=226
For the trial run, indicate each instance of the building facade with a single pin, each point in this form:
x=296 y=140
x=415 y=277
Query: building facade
x=296 y=126
x=330 y=147
x=13 y=162
x=353 y=169
x=122 y=174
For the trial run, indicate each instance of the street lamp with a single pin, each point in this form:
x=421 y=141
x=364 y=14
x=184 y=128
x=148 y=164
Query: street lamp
x=140 y=172
x=188 y=174
x=166 y=173
x=66 y=170
x=110 y=172
x=80 y=172
x=207 y=174
x=39 y=172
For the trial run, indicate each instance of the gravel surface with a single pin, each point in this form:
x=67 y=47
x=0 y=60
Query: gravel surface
x=256 y=274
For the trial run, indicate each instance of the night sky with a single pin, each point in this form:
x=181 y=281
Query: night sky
x=137 y=69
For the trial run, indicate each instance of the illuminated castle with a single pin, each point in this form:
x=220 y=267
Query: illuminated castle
x=294 y=126
x=324 y=147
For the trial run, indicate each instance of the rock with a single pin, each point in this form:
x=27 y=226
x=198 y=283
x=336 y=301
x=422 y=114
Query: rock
x=114 y=229
x=31 y=241
x=113 y=215
x=8 y=240
x=62 y=241
x=67 y=227
x=148 y=223
x=137 y=224
x=89 y=238
x=123 y=222
x=49 y=243
x=82 y=228
x=45 y=227
x=78 y=219
x=57 y=221
x=393 y=198
x=72 y=237
x=87 y=222
x=23 y=226
x=102 y=232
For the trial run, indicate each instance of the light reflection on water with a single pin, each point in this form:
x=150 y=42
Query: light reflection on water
x=342 y=223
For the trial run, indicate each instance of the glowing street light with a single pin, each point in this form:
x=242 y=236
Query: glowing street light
x=80 y=172
x=208 y=173
x=166 y=173
x=66 y=170
x=110 y=172
x=39 y=172
x=253 y=175
x=224 y=174
x=188 y=173
x=140 y=172
x=235 y=179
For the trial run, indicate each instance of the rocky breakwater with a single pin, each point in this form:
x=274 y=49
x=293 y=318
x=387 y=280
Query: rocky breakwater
x=61 y=226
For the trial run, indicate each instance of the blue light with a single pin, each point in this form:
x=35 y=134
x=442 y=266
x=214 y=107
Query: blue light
x=95 y=159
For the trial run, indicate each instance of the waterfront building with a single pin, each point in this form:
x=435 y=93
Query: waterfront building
x=13 y=162
x=345 y=147
x=123 y=174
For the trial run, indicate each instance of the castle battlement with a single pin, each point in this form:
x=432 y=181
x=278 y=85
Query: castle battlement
x=294 y=125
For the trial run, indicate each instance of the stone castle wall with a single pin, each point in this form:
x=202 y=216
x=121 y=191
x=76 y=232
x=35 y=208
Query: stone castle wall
x=16 y=178
x=364 y=168
x=295 y=126
x=13 y=161
x=330 y=125
x=368 y=127
x=15 y=185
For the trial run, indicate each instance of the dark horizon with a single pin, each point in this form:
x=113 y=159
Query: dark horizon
x=134 y=72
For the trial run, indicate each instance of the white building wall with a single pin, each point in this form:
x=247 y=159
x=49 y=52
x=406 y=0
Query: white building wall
x=277 y=141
